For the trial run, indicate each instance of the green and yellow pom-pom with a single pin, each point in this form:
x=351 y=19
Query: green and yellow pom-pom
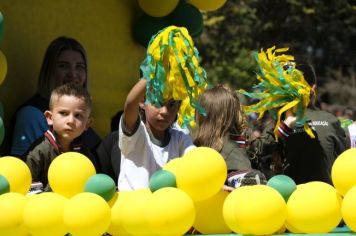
x=172 y=71
x=281 y=87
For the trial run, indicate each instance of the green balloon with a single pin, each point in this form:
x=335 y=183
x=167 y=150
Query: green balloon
x=162 y=179
x=283 y=184
x=2 y=131
x=188 y=16
x=146 y=27
x=4 y=185
x=101 y=184
x=1 y=111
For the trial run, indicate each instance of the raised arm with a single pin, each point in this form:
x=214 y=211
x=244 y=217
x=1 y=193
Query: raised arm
x=132 y=103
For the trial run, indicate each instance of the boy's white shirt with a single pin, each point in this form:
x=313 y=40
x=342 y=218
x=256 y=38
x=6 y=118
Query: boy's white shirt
x=140 y=158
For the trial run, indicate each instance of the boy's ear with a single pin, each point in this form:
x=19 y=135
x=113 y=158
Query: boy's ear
x=89 y=122
x=48 y=115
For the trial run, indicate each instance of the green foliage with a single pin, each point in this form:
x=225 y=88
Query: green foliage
x=320 y=31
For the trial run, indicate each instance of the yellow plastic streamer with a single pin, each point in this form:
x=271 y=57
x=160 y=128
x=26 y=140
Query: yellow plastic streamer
x=280 y=89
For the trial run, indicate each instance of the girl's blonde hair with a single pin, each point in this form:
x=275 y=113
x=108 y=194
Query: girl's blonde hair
x=46 y=80
x=224 y=116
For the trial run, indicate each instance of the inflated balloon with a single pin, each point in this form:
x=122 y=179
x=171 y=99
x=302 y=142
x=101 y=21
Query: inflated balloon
x=146 y=27
x=1 y=111
x=207 y=5
x=170 y=211
x=259 y=210
x=172 y=165
x=209 y=215
x=87 y=214
x=157 y=8
x=229 y=209
x=314 y=207
x=188 y=16
x=133 y=210
x=2 y=131
x=17 y=174
x=101 y=184
x=348 y=208
x=1 y=26
x=283 y=184
x=11 y=208
x=112 y=201
x=69 y=172
x=43 y=214
x=201 y=173
x=161 y=179
x=3 y=67
x=4 y=185
x=116 y=227
x=343 y=171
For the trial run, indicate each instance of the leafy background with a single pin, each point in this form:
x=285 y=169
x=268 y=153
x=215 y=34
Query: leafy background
x=320 y=31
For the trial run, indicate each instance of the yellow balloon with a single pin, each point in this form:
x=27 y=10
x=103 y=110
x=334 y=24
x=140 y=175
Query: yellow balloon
x=260 y=210
x=229 y=209
x=314 y=207
x=343 y=171
x=69 y=172
x=172 y=165
x=116 y=227
x=11 y=208
x=17 y=174
x=43 y=214
x=113 y=200
x=87 y=214
x=201 y=173
x=348 y=208
x=170 y=211
x=207 y=5
x=132 y=213
x=158 y=8
x=209 y=215
x=3 y=67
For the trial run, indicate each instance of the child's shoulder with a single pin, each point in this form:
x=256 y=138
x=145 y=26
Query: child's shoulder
x=41 y=146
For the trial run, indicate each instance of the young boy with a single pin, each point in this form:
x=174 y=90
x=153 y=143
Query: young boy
x=149 y=141
x=68 y=117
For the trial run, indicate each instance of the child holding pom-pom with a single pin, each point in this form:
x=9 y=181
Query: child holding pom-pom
x=172 y=81
x=304 y=141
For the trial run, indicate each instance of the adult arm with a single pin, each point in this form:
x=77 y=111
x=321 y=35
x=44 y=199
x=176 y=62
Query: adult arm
x=30 y=124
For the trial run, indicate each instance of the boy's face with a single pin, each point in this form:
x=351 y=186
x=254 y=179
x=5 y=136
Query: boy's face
x=161 y=118
x=69 y=117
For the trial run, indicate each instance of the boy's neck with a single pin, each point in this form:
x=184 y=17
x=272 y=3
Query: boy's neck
x=63 y=144
x=161 y=139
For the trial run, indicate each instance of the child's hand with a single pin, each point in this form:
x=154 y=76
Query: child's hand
x=290 y=118
x=228 y=188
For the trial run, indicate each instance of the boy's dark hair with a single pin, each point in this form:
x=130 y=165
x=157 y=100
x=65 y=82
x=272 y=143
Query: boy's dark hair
x=308 y=72
x=71 y=89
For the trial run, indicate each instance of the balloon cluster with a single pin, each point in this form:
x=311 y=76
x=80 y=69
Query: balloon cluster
x=79 y=203
x=186 y=192
x=159 y=14
x=3 y=71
